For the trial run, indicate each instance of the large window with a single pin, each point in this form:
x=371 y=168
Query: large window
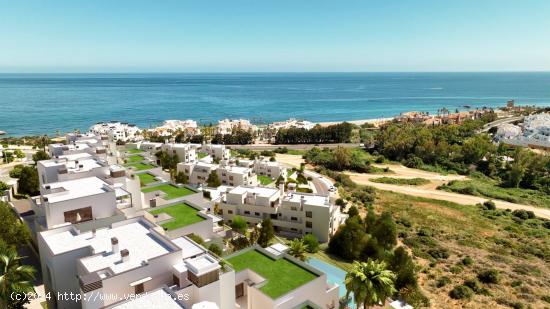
x=309 y=214
x=78 y=215
x=309 y=224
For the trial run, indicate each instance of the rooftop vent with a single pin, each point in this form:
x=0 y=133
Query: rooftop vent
x=114 y=244
x=125 y=255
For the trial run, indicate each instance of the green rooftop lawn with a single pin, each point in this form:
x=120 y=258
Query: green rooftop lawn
x=202 y=155
x=134 y=151
x=282 y=275
x=140 y=166
x=171 y=191
x=134 y=159
x=146 y=178
x=264 y=180
x=182 y=215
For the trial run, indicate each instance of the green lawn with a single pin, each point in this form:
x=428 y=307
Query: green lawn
x=202 y=155
x=182 y=215
x=134 y=151
x=264 y=180
x=171 y=191
x=146 y=178
x=296 y=152
x=140 y=166
x=289 y=172
x=282 y=275
x=134 y=159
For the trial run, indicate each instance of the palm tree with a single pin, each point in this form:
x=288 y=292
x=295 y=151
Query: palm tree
x=298 y=249
x=370 y=282
x=14 y=277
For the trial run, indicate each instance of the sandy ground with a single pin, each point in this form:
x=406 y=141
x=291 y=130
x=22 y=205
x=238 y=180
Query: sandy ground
x=430 y=191
x=292 y=160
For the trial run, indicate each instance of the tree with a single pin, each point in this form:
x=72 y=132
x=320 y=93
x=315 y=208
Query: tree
x=14 y=277
x=182 y=178
x=297 y=249
x=266 y=233
x=214 y=248
x=311 y=242
x=18 y=153
x=3 y=186
x=28 y=181
x=12 y=231
x=341 y=158
x=385 y=231
x=370 y=282
x=40 y=155
x=352 y=212
x=279 y=180
x=402 y=265
x=349 y=240
x=213 y=180
x=239 y=224
x=370 y=220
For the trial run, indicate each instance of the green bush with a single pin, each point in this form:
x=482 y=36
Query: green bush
x=312 y=243
x=489 y=276
x=196 y=238
x=456 y=269
x=214 y=248
x=473 y=284
x=467 y=261
x=523 y=214
x=489 y=205
x=439 y=253
x=461 y=292
x=442 y=281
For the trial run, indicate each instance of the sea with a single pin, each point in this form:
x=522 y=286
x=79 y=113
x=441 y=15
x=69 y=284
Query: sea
x=32 y=104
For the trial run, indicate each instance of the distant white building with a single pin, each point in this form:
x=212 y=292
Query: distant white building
x=535 y=134
x=169 y=127
x=186 y=152
x=73 y=166
x=507 y=131
x=217 y=152
x=94 y=146
x=292 y=213
x=117 y=131
x=226 y=126
x=229 y=174
x=292 y=123
x=264 y=167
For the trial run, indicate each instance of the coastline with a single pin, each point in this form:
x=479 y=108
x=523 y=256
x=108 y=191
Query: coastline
x=374 y=121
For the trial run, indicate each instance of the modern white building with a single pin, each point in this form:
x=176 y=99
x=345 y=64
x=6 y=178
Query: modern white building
x=117 y=131
x=535 y=132
x=169 y=127
x=217 y=152
x=80 y=143
x=293 y=214
x=131 y=257
x=186 y=152
x=229 y=174
x=227 y=126
x=151 y=147
x=73 y=166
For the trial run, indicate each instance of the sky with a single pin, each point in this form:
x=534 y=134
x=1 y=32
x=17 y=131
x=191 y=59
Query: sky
x=273 y=36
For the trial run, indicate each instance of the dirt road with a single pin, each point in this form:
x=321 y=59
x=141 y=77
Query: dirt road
x=430 y=191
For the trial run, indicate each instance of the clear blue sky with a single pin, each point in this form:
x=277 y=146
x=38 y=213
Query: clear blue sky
x=275 y=35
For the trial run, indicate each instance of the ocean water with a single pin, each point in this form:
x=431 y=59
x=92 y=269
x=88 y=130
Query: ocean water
x=44 y=103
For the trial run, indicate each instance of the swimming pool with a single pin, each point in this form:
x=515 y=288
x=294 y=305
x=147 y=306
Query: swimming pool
x=334 y=275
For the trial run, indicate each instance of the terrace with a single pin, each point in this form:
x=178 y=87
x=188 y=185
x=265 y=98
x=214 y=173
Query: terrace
x=177 y=216
x=146 y=178
x=171 y=192
x=264 y=180
x=134 y=159
x=140 y=166
x=134 y=151
x=282 y=275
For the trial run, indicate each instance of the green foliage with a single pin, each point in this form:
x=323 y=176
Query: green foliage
x=370 y=220
x=16 y=171
x=385 y=231
x=467 y=261
x=181 y=178
x=349 y=240
x=311 y=242
x=239 y=224
x=401 y=263
x=442 y=281
x=461 y=292
x=28 y=181
x=3 y=186
x=12 y=231
x=352 y=212
x=371 y=282
x=19 y=153
x=14 y=278
x=298 y=249
x=338 y=133
x=523 y=214
x=239 y=243
x=340 y=159
x=266 y=233
x=489 y=276
x=214 y=248
x=213 y=180
x=196 y=238
x=40 y=155
x=237 y=137
x=167 y=161
x=401 y=181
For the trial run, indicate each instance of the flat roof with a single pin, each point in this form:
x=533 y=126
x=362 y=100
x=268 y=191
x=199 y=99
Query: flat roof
x=202 y=264
x=261 y=191
x=84 y=164
x=155 y=299
x=316 y=200
x=237 y=169
x=76 y=188
x=75 y=156
x=188 y=248
x=134 y=236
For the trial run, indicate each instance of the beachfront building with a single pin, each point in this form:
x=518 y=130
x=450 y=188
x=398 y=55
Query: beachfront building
x=92 y=146
x=186 y=152
x=266 y=279
x=293 y=214
x=117 y=131
x=229 y=174
x=228 y=126
x=217 y=152
x=130 y=257
x=170 y=127
x=534 y=134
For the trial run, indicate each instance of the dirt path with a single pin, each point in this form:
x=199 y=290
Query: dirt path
x=292 y=160
x=430 y=191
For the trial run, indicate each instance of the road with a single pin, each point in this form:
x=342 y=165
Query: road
x=430 y=191
x=500 y=121
x=293 y=146
x=322 y=184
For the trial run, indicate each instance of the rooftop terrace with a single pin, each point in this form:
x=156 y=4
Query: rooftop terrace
x=180 y=215
x=171 y=191
x=282 y=275
x=76 y=188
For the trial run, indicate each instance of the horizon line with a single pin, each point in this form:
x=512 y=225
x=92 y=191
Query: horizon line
x=273 y=72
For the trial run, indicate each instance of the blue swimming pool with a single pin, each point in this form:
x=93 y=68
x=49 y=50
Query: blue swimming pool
x=334 y=275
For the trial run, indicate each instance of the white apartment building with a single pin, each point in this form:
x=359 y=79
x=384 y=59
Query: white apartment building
x=230 y=175
x=186 y=152
x=77 y=143
x=534 y=133
x=227 y=126
x=264 y=167
x=117 y=131
x=130 y=257
x=217 y=152
x=292 y=213
x=151 y=147
x=291 y=123
x=169 y=127
x=67 y=167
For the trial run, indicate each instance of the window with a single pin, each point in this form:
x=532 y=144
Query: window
x=257 y=214
x=309 y=224
x=293 y=218
x=246 y=212
x=139 y=288
x=78 y=215
x=309 y=214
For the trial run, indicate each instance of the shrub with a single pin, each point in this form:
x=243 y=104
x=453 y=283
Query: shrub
x=489 y=276
x=439 y=253
x=467 y=261
x=239 y=224
x=489 y=205
x=442 y=281
x=196 y=238
x=214 y=248
x=523 y=214
x=461 y=292
x=312 y=243
x=473 y=284
x=456 y=269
